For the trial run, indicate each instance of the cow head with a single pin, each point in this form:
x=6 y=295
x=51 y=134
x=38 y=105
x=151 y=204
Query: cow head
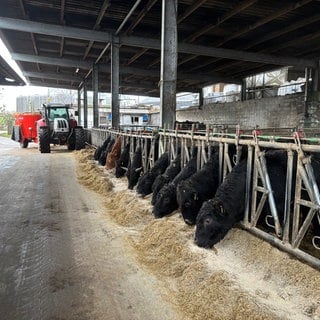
x=134 y=177
x=211 y=224
x=158 y=184
x=166 y=201
x=189 y=202
x=144 y=186
x=120 y=171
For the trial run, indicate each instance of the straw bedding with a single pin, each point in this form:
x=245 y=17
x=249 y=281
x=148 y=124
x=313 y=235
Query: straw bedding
x=243 y=278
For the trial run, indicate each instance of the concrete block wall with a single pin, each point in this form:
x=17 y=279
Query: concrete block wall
x=285 y=111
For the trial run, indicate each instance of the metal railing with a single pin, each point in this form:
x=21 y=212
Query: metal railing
x=291 y=229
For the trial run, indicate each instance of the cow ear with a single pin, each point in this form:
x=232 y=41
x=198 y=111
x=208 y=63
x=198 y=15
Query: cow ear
x=219 y=208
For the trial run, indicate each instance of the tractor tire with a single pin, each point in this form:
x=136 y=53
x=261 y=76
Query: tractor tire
x=80 y=138
x=72 y=141
x=24 y=144
x=44 y=140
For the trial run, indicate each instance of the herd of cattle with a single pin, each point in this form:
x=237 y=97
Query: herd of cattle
x=213 y=207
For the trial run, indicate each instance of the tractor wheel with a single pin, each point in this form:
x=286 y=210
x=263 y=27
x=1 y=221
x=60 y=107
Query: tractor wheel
x=80 y=138
x=24 y=144
x=44 y=140
x=72 y=141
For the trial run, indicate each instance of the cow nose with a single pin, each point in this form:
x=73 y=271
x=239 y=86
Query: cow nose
x=189 y=222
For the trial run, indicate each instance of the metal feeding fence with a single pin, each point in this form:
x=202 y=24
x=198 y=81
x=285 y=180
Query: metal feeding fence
x=294 y=229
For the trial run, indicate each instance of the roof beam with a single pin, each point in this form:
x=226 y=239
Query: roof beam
x=267 y=19
x=142 y=13
x=33 y=38
x=53 y=85
x=283 y=45
x=54 y=30
x=213 y=78
x=70 y=77
x=244 y=55
x=52 y=76
x=51 y=61
x=142 y=92
x=101 y=14
x=190 y=10
x=258 y=23
x=57 y=30
x=240 y=7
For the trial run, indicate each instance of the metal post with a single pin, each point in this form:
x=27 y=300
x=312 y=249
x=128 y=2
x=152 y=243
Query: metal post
x=244 y=90
x=307 y=92
x=248 y=187
x=168 y=74
x=316 y=78
x=200 y=98
x=95 y=89
x=79 y=106
x=286 y=219
x=85 y=104
x=115 y=82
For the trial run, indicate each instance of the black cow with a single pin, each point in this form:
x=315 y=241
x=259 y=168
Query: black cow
x=134 y=168
x=100 y=149
x=104 y=153
x=122 y=163
x=144 y=186
x=201 y=186
x=218 y=215
x=170 y=173
x=166 y=200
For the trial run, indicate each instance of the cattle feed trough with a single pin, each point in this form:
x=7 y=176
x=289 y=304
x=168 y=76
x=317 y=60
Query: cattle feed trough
x=301 y=189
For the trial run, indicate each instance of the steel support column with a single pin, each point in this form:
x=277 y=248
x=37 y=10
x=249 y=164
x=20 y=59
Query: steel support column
x=95 y=89
x=307 y=91
x=244 y=90
x=168 y=75
x=79 y=106
x=316 y=78
x=200 y=98
x=85 y=104
x=115 y=83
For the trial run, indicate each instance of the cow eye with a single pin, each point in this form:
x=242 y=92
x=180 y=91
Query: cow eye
x=187 y=204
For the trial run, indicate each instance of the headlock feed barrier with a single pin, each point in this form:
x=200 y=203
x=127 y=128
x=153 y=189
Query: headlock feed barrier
x=292 y=230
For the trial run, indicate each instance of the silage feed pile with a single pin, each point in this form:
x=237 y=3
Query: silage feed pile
x=125 y=208
x=89 y=174
x=242 y=278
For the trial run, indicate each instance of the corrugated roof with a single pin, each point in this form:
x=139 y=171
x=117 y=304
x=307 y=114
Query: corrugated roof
x=278 y=29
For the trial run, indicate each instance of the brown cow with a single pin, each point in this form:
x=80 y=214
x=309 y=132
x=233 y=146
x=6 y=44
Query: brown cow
x=114 y=154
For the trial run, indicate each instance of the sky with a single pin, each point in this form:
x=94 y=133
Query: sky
x=8 y=94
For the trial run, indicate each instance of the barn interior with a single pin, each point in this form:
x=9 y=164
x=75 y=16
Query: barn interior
x=160 y=49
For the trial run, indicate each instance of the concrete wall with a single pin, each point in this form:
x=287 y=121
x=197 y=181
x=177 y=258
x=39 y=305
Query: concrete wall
x=286 y=111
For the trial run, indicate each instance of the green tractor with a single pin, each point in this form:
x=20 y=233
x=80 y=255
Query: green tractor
x=59 y=127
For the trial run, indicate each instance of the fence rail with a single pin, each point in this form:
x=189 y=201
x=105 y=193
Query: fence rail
x=290 y=227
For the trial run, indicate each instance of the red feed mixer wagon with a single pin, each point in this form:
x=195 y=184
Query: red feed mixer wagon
x=25 y=128
x=55 y=124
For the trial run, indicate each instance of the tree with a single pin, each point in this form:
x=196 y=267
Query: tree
x=6 y=119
